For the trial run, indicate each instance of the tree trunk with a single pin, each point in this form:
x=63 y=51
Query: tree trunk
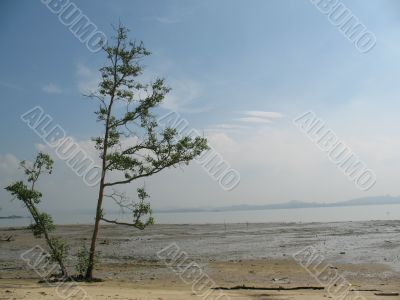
x=35 y=214
x=92 y=253
x=54 y=251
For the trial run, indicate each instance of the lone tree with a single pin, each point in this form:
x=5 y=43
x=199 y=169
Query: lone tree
x=133 y=145
x=43 y=222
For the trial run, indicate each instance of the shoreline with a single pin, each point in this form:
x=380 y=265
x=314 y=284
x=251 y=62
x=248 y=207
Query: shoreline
x=252 y=255
x=395 y=220
x=305 y=215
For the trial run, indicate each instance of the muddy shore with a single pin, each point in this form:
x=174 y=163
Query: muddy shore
x=366 y=254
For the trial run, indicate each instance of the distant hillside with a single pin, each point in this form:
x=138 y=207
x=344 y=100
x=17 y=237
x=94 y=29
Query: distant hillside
x=372 y=201
x=375 y=200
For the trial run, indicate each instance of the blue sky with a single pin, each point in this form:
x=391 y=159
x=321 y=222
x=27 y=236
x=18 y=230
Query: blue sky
x=222 y=59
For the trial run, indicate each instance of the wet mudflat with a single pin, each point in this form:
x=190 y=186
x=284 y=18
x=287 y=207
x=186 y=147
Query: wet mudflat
x=367 y=254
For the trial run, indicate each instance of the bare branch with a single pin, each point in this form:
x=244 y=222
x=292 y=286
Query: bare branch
x=122 y=223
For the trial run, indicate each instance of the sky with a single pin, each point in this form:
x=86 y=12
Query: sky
x=240 y=72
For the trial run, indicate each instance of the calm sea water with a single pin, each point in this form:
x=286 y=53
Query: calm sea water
x=305 y=215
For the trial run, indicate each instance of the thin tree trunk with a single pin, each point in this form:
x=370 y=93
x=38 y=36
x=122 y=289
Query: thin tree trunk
x=64 y=271
x=89 y=271
x=36 y=217
x=92 y=254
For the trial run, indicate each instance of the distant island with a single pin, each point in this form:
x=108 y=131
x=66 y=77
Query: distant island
x=375 y=200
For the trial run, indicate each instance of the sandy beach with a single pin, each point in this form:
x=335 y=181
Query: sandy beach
x=212 y=150
x=244 y=261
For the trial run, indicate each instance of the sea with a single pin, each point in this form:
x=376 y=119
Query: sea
x=297 y=215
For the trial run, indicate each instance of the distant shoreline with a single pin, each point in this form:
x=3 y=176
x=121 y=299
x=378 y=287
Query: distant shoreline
x=12 y=217
x=324 y=213
x=286 y=205
x=211 y=223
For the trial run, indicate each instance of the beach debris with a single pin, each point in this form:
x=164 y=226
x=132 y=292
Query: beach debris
x=366 y=290
x=280 y=279
x=342 y=253
x=280 y=288
x=387 y=294
x=333 y=267
x=9 y=238
x=283 y=280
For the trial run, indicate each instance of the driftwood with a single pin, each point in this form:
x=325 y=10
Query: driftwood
x=387 y=294
x=365 y=290
x=9 y=238
x=280 y=288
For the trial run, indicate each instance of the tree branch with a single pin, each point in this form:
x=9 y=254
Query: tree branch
x=122 y=223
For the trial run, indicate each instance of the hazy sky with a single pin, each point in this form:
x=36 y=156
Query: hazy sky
x=228 y=63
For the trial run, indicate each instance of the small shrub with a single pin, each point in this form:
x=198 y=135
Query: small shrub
x=83 y=260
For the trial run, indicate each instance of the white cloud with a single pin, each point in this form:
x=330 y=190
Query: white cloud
x=229 y=126
x=259 y=116
x=88 y=80
x=84 y=71
x=264 y=114
x=51 y=88
x=40 y=147
x=9 y=168
x=250 y=117
x=182 y=96
x=275 y=165
x=268 y=146
x=254 y=120
x=8 y=163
